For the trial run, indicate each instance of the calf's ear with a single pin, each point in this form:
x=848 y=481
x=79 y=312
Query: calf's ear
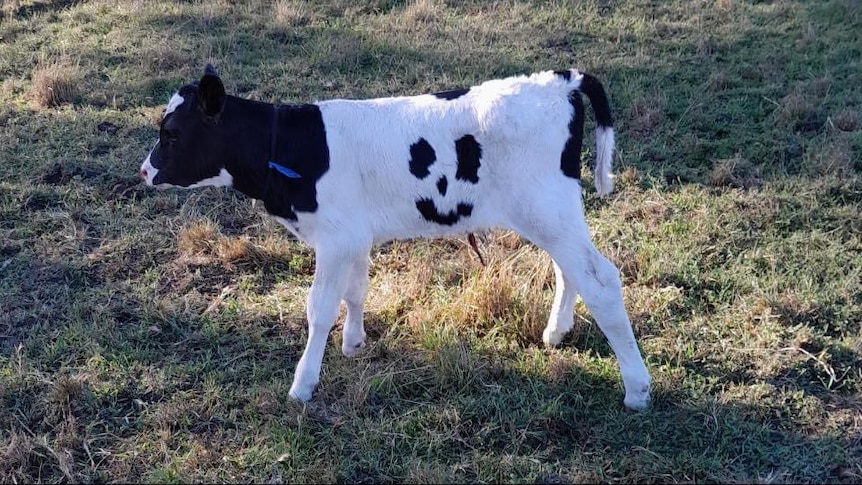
x=211 y=93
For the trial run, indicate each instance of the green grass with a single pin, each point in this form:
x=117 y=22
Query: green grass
x=151 y=336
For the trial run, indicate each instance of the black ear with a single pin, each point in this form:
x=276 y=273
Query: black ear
x=211 y=93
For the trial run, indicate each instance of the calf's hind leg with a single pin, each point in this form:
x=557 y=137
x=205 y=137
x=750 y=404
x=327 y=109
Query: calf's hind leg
x=582 y=269
x=598 y=282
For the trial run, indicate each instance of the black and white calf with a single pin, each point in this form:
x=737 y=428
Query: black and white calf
x=343 y=175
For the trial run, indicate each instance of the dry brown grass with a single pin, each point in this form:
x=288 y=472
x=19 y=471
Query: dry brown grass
x=644 y=117
x=846 y=120
x=201 y=242
x=718 y=81
x=291 y=12
x=834 y=157
x=801 y=110
x=197 y=238
x=446 y=289
x=795 y=106
x=512 y=288
x=14 y=455
x=9 y=7
x=55 y=83
x=421 y=12
x=628 y=177
x=164 y=57
x=67 y=389
x=735 y=172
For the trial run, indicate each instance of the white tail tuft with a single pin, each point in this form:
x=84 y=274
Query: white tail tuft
x=604 y=160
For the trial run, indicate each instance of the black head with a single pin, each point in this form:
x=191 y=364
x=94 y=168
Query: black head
x=191 y=149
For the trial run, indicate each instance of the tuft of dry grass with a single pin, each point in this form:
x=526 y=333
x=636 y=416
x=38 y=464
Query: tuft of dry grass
x=513 y=289
x=164 y=57
x=645 y=115
x=291 y=12
x=628 y=177
x=421 y=12
x=735 y=172
x=55 y=83
x=198 y=238
x=9 y=7
x=833 y=157
x=718 y=81
x=18 y=448
x=512 y=292
x=846 y=120
x=67 y=389
x=201 y=242
x=800 y=112
x=796 y=106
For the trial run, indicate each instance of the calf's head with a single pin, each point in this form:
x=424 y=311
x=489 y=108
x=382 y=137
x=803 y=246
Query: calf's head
x=191 y=150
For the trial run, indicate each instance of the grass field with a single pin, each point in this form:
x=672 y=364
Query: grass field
x=151 y=336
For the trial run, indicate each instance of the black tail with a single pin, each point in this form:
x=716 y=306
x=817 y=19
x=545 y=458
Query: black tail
x=594 y=90
x=598 y=99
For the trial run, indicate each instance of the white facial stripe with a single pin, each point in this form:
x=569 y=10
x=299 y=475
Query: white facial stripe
x=147 y=167
x=173 y=104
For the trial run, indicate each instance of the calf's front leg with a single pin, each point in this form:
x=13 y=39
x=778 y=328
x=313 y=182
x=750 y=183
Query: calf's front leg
x=330 y=281
x=353 y=335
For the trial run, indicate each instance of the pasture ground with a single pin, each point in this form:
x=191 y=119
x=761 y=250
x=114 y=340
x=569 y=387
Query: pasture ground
x=151 y=336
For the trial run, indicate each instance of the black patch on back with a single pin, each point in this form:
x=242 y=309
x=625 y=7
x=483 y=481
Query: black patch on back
x=450 y=95
x=442 y=185
x=430 y=212
x=567 y=75
x=301 y=146
x=421 y=157
x=469 y=152
x=570 y=159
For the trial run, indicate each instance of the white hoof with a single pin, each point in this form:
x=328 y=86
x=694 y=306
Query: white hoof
x=351 y=350
x=353 y=341
x=552 y=338
x=638 y=400
x=301 y=393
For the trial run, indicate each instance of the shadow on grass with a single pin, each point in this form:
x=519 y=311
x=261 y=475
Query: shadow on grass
x=132 y=368
x=36 y=8
x=443 y=412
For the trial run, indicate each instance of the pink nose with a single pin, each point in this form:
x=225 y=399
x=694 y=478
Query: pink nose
x=144 y=173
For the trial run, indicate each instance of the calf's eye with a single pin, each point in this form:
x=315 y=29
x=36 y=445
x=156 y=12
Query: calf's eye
x=170 y=135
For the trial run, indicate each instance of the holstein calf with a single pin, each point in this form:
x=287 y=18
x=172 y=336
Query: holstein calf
x=343 y=175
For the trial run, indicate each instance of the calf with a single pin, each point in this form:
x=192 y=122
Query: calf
x=344 y=175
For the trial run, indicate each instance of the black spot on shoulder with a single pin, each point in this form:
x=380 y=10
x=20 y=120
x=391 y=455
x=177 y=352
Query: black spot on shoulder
x=301 y=145
x=421 y=157
x=567 y=75
x=469 y=153
x=570 y=159
x=430 y=212
x=442 y=185
x=453 y=94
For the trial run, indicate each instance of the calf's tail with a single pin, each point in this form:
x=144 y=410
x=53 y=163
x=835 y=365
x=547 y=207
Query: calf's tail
x=604 y=133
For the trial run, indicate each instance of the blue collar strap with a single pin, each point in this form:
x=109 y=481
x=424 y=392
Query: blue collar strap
x=285 y=171
x=279 y=168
